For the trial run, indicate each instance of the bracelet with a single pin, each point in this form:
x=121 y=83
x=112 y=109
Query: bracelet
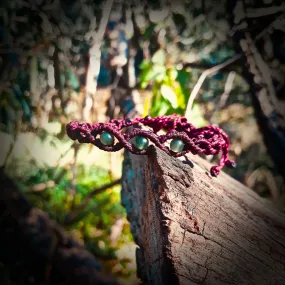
x=182 y=136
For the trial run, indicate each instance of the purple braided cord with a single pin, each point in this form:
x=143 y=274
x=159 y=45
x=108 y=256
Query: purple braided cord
x=209 y=140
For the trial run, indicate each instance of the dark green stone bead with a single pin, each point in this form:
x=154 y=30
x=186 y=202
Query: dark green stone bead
x=106 y=138
x=141 y=143
x=176 y=145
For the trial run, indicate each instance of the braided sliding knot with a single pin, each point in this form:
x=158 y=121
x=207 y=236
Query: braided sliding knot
x=183 y=137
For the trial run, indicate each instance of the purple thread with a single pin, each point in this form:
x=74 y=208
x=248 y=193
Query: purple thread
x=209 y=140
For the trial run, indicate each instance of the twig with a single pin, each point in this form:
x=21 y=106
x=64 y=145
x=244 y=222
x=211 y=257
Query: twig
x=51 y=183
x=114 y=85
x=13 y=143
x=274 y=24
x=74 y=174
x=199 y=65
x=57 y=80
x=41 y=186
x=74 y=166
x=202 y=78
x=263 y=12
x=104 y=20
x=227 y=89
x=71 y=216
x=64 y=154
x=224 y=97
x=9 y=153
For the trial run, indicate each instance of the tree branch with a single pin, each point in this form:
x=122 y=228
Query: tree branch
x=202 y=78
x=94 y=51
x=263 y=12
x=69 y=219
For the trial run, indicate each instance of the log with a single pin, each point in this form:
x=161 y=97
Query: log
x=192 y=228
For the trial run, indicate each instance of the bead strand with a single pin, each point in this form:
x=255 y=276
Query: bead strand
x=183 y=137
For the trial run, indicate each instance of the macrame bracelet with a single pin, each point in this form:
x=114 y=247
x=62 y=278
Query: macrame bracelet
x=183 y=137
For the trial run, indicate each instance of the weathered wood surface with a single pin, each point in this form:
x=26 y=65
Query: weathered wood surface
x=192 y=228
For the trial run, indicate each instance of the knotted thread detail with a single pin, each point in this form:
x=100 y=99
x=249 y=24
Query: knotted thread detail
x=208 y=140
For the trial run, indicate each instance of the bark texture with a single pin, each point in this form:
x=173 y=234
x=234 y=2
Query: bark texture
x=191 y=228
x=256 y=35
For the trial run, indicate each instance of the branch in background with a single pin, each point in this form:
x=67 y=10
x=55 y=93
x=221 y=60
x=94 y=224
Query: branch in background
x=69 y=219
x=95 y=52
x=34 y=76
x=74 y=173
x=227 y=89
x=57 y=81
x=202 y=78
x=263 y=12
x=199 y=65
x=90 y=111
x=41 y=186
x=268 y=108
x=74 y=165
x=12 y=145
x=51 y=183
x=10 y=151
x=279 y=21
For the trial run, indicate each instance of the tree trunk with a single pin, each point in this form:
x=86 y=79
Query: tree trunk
x=256 y=35
x=192 y=228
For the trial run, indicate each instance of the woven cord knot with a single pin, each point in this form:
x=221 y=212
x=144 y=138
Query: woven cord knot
x=208 y=140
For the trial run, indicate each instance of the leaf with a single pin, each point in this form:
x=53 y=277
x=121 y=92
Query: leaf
x=156 y=73
x=159 y=73
x=8 y=96
x=159 y=108
x=181 y=97
x=173 y=73
x=148 y=32
x=145 y=65
x=164 y=107
x=168 y=93
x=159 y=57
x=146 y=107
x=72 y=80
x=183 y=78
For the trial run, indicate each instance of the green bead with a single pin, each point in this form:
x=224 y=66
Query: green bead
x=141 y=143
x=106 y=138
x=176 y=145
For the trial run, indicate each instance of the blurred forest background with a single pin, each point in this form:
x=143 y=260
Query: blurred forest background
x=96 y=60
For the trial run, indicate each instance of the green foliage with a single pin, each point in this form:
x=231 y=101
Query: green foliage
x=168 y=85
x=184 y=35
x=93 y=226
